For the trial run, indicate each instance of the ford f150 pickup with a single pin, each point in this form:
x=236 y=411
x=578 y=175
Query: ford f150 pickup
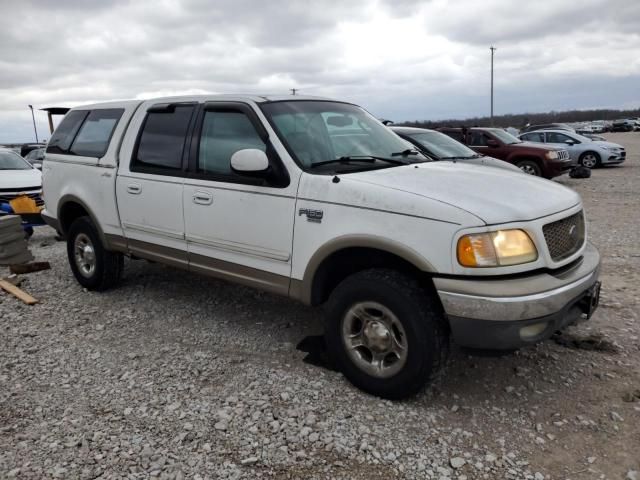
x=317 y=200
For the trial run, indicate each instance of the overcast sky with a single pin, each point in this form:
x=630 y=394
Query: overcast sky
x=401 y=59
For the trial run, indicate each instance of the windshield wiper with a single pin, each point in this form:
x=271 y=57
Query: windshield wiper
x=358 y=158
x=405 y=153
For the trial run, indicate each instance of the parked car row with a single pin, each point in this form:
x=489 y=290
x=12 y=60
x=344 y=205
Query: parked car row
x=626 y=125
x=539 y=160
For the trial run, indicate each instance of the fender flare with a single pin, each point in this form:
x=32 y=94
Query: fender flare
x=70 y=198
x=302 y=289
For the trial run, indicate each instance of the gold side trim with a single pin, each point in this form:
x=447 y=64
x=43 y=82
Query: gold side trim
x=240 y=248
x=153 y=230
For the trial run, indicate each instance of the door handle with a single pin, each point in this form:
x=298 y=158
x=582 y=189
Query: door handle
x=134 y=188
x=202 y=198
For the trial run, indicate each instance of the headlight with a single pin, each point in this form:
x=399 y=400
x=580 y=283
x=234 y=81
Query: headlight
x=611 y=149
x=496 y=249
x=551 y=155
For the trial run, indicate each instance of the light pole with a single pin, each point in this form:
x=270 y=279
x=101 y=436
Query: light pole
x=33 y=117
x=493 y=49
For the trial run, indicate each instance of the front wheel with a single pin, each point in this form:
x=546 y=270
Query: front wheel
x=385 y=333
x=589 y=159
x=94 y=267
x=529 y=167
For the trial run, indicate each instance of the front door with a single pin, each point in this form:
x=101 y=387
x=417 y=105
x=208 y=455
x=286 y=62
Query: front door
x=237 y=227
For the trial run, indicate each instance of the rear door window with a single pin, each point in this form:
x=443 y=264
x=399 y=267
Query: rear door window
x=534 y=137
x=63 y=136
x=477 y=139
x=94 y=135
x=162 y=141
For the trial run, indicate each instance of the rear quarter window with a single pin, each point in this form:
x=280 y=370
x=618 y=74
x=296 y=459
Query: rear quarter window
x=85 y=133
x=95 y=134
x=61 y=140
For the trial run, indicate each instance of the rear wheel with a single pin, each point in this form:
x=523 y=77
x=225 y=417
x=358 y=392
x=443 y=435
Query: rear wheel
x=385 y=333
x=529 y=167
x=590 y=159
x=94 y=267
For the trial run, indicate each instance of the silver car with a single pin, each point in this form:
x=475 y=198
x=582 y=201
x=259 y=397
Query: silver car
x=587 y=152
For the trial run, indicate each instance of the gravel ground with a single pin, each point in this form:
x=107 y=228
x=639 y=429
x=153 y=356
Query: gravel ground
x=173 y=375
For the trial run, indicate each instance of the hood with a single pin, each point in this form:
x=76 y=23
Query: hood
x=603 y=143
x=17 y=179
x=494 y=195
x=491 y=162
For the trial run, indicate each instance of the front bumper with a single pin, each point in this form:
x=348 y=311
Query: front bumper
x=615 y=158
x=490 y=313
x=560 y=167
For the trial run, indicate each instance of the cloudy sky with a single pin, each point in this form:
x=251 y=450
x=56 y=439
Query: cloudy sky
x=401 y=59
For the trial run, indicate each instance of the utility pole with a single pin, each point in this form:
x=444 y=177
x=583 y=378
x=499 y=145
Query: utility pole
x=293 y=91
x=34 y=122
x=493 y=49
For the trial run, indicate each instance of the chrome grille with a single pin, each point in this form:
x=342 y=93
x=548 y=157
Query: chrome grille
x=563 y=154
x=564 y=237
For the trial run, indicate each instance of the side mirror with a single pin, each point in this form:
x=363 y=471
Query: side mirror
x=37 y=165
x=249 y=161
x=492 y=143
x=570 y=142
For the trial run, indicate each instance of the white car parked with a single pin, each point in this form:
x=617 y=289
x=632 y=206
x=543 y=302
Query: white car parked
x=317 y=200
x=17 y=177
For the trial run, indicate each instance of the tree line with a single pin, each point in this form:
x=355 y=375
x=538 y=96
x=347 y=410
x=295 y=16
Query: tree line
x=519 y=120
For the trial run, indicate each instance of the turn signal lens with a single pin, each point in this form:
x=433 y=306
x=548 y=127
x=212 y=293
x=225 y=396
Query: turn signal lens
x=477 y=251
x=493 y=249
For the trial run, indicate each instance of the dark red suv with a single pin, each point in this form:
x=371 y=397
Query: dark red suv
x=532 y=158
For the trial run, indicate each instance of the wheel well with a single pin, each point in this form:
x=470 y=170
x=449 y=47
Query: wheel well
x=69 y=212
x=343 y=263
x=535 y=160
x=590 y=151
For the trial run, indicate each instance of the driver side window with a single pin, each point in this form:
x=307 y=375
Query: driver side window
x=223 y=134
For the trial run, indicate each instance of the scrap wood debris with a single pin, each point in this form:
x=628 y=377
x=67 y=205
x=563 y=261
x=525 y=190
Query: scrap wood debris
x=15 y=254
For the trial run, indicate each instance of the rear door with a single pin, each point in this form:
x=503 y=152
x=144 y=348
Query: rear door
x=149 y=188
x=237 y=227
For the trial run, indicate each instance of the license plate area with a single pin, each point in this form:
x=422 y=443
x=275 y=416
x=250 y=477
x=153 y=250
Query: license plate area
x=591 y=300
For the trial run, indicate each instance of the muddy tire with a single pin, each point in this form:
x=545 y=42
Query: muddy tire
x=589 y=160
x=94 y=267
x=529 y=167
x=386 y=333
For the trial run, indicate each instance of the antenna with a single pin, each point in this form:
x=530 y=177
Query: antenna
x=293 y=91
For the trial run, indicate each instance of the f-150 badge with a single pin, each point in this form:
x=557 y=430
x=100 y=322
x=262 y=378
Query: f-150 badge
x=312 y=215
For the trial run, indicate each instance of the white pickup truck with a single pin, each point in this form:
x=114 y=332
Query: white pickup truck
x=315 y=199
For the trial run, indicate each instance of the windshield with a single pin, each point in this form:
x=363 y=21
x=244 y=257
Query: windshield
x=441 y=145
x=505 y=137
x=13 y=161
x=320 y=131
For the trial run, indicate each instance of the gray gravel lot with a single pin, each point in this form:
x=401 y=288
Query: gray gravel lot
x=173 y=375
